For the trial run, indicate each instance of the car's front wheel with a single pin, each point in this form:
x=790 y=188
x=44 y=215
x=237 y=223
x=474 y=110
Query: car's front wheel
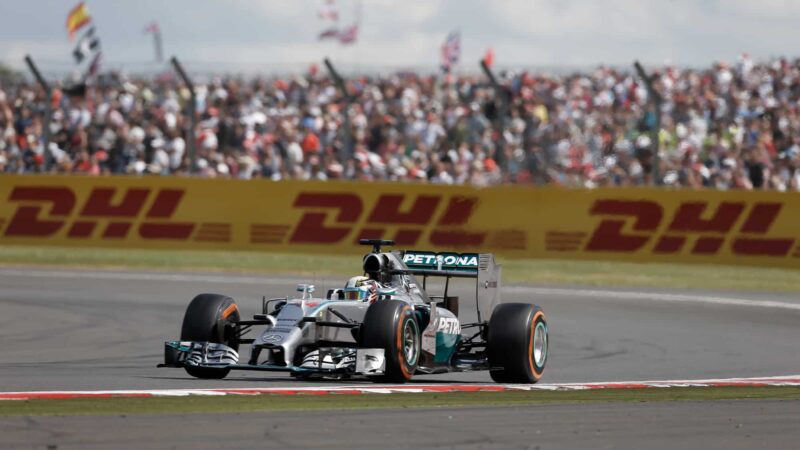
x=206 y=320
x=392 y=326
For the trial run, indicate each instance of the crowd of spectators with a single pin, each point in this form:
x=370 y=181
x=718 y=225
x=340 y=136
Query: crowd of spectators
x=728 y=126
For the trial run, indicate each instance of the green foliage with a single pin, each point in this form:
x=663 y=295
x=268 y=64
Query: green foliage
x=531 y=271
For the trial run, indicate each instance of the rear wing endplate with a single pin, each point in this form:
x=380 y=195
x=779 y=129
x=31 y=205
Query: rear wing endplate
x=487 y=290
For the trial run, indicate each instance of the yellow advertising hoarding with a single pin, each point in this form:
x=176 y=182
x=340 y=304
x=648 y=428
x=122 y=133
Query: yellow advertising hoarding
x=628 y=224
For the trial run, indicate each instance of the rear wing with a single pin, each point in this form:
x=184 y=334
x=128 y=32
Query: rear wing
x=480 y=266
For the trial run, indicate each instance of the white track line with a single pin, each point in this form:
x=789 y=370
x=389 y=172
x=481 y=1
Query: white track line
x=600 y=294
x=100 y=274
x=788 y=380
x=654 y=296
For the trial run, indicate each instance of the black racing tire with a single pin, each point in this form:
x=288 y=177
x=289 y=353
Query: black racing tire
x=392 y=325
x=204 y=321
x=517 y=343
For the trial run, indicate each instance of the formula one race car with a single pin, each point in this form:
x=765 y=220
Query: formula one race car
x=382 y=325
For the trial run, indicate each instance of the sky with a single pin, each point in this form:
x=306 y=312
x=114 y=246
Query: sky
x=281 y=35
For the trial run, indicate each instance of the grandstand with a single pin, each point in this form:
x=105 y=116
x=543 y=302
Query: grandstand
x=724 y=127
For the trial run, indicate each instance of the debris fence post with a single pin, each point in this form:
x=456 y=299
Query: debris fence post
x=340 y=84
x=48 y=111
x=655 y=100
x=503 y=109
x=190 y=136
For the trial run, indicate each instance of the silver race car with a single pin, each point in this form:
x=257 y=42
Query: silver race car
x=383 y=325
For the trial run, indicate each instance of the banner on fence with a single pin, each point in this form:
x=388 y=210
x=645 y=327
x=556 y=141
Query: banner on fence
x=629 y=224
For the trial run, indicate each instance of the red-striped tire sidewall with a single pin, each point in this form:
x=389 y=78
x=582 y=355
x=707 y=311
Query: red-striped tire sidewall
x=535 y=370
x=406 y=313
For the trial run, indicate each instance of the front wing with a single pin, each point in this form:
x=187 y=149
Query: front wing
x=368 y=361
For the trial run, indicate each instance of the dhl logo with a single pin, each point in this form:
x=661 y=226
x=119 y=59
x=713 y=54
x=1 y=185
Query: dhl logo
x=45 y=210
x=325 y=218
x=338 y=217
x=410 y=220
x=681 y=229
x=630 y=225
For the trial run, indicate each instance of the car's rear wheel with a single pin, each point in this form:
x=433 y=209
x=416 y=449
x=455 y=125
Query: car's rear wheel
x=517 y=343
x=392 y=326
x=206 y=320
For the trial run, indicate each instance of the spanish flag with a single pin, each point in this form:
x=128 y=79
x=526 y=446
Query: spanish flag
x=77 y=18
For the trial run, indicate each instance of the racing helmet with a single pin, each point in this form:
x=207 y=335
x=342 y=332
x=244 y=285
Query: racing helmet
x=360 y=288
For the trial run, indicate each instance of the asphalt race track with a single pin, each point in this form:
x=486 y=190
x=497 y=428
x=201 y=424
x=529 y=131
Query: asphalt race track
x=728 y=425
x=90 y=330
x=71 y=330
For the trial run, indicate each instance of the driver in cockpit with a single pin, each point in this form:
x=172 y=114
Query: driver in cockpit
x=361 y=288
x=365 y=289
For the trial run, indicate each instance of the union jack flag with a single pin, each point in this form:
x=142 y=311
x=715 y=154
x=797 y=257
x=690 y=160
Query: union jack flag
x=348 y=35
x=330 y=33
x=152 y=28
x=451 y=50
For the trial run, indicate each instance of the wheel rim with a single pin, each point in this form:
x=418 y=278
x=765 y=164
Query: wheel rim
x=540 y=344
x=410 y=342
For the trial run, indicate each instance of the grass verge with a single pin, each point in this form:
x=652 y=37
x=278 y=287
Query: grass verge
x=591 y=273
x=272 y=402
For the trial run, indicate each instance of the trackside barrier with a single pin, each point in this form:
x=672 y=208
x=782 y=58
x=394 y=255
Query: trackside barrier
x=625 y=224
